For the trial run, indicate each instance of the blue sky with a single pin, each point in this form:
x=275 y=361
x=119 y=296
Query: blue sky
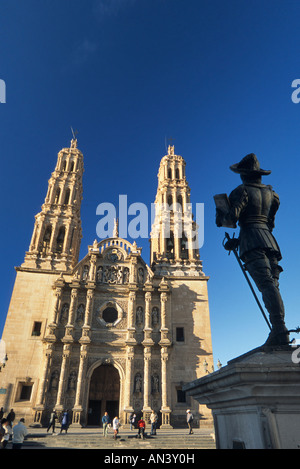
x=127 y=74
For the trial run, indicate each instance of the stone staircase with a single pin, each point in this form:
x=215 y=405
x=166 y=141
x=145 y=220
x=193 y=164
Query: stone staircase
x=87 y=438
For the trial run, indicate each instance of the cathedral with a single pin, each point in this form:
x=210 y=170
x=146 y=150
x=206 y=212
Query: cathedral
x=108 y=332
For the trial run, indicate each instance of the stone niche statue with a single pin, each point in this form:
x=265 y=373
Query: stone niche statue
x=138 y=383
x=254 y=205
x=54 y=381
x=141 y=275
x=154 y=384
x=139 y=315
x=64 y=314
x=155 y=318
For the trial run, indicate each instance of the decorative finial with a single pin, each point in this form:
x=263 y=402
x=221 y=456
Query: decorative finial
x=171 y=150
x=116 y=229
x=74 y=139
x=171 y=147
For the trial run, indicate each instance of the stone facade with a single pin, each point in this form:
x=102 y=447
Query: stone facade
x=108 y=332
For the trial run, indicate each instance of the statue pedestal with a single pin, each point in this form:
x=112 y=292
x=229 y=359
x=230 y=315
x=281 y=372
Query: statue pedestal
x=255 y=400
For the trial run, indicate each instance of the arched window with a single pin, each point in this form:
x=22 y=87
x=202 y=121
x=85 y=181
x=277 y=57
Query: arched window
x=170 y=173
x=67 y=197
x=170 y=246
x=177 y=174
x=46 y=239
x=72 y=166
x=60 y=240
x=57 y=194
x=64 y=165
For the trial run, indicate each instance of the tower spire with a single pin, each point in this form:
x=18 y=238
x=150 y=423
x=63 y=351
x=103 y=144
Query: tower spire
x=174 y=237
x=56 y=236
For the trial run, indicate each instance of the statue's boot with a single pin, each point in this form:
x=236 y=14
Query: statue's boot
x=279 y=335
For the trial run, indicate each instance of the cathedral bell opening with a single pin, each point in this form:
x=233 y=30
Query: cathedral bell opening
x=104 y=394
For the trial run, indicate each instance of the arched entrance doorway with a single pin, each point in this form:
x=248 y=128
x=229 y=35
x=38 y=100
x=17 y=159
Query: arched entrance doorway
x=104 y=394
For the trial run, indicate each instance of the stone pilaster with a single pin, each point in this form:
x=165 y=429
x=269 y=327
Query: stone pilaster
x=40 y=401
x=78 y=409
x=165 y=409
x=62 y=379
x=147 y=382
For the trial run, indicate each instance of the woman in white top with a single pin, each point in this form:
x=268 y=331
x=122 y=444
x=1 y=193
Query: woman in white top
x=116 y=425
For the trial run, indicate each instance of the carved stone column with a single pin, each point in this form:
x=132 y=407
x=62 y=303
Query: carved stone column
x=57 y=304
x=50 y=336
x=40 y=401
x=133 y=270
x=130 y=320
x=128 y=384
x=55 y=228
x=62 y=379
x=92 y=272
x=71 y=318
x=164 y=341
x=147 y=383
x=165 y=409
x=148 y=329
x=85 y=338
x=78 y=409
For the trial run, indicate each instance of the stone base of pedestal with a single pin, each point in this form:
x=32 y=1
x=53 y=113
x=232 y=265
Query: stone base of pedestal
x=77 y=416
x=255 y=400
x=166 y=416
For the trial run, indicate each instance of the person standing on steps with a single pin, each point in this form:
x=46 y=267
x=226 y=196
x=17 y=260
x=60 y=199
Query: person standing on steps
x=189 y=419
x=19 y=433
x=132 y=418
x=53 y=417
x=153 y=420
x=6 y=432
x=116 y=426
x=105 y=423
x=11 y=417
x=141 y=426
x=65 y=422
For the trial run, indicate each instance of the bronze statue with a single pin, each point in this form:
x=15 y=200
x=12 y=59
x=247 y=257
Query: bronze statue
x=254 y=206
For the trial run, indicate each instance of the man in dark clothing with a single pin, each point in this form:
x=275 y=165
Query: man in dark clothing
x=105 y=423
x=11 y=417
x=254 y=206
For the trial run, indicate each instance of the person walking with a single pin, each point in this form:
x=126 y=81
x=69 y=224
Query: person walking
x=105 y=423
x=141 y=426
x=53 y=417
x=65 y=422
x=132 y=418
x=19 y=433
x=153 y=420
x=189 y=419
x=11 y=417
x=2 y=428
x=116 y=426
x=6 y=431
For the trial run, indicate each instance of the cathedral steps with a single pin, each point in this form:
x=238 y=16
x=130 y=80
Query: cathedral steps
x=88 y=439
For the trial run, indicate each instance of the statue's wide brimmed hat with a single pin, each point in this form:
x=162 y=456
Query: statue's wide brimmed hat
x=249 y=165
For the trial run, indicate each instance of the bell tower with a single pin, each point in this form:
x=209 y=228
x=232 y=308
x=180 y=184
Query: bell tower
x=57 y=233
x=174 y=236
